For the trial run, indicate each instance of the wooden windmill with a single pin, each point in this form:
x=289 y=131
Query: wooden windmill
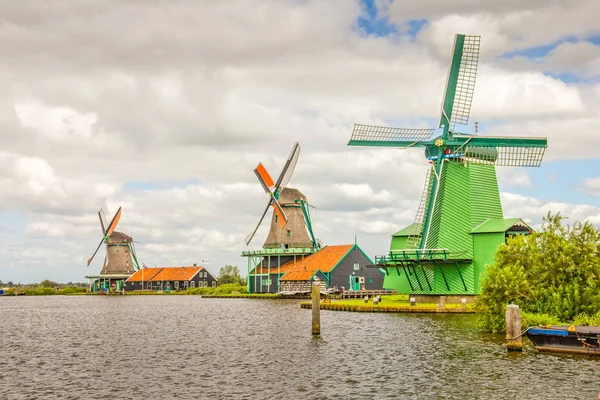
x=291 y=226
x=120 y=256
x=439 y=253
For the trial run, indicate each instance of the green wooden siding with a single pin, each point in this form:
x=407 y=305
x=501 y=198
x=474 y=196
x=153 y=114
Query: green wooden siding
x=485 y=196
x=451 y=220
x=484 y=245
x=396 y=280
x=398 y=242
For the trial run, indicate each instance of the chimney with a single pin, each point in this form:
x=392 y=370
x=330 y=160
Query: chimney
x=194 y=264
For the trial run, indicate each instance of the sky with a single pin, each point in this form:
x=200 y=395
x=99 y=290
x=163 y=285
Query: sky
x=165 y=108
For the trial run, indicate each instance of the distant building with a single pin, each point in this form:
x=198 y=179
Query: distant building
x=342 y=266
x=170 y=278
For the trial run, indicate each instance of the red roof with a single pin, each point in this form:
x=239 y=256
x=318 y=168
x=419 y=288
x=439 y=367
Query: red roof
x=164 y=274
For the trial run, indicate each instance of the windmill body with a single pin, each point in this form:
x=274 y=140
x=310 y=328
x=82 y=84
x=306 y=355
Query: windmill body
x=459 y=221
x=294 y=233
x=119 y=258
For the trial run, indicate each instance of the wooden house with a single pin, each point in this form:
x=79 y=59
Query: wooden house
x=340 y=266
x=170 y=278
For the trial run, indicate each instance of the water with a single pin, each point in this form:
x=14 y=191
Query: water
x=132 y=347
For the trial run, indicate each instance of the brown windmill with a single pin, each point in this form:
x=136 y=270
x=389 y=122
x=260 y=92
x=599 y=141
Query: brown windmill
x=291 y=226
x=120 y=260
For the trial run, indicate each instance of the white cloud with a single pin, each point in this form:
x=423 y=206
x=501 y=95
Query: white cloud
x=591 y=186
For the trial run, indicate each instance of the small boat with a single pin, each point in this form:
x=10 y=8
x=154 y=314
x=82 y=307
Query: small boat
x=566 y=339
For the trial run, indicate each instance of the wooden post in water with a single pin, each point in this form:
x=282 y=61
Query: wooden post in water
x=316 y=307
x=514 y=341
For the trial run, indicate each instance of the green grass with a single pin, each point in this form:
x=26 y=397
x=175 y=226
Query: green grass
x=395 y=300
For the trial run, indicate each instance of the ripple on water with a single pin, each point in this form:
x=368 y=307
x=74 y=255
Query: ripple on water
x=136 y=347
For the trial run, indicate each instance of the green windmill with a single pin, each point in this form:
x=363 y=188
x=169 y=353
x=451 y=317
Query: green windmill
x=459 y=222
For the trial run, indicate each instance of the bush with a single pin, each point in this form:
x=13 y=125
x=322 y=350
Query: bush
x=554 y=273
x=223 y=289
x=72 y=290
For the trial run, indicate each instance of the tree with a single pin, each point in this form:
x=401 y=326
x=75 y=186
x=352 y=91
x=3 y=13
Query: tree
x=48 y=283
x=230 y=274
x=555 y=271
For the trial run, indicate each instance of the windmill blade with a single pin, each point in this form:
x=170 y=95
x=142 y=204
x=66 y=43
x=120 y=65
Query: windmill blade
x=93 y=255
x=251 y=235
x=103 y=221
x=460 y=84
x=384 y=136
x=113 y=224
x=288 y=168
x=503 y=151
x=279 y=211
x=264 y=178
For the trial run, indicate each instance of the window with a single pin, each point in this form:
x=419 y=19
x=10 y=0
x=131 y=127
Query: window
x=176 y=284
x=205 y=274
x=192 y=284
x=149 y=285
x=356 y=266
x=214 y=284
x=276 y=218
x=185 y=285
x=289 y=233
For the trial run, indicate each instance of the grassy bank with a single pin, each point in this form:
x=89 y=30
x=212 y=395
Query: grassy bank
x=45 y=291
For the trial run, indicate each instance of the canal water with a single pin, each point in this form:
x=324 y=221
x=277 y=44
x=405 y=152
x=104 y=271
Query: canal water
x=187 y=347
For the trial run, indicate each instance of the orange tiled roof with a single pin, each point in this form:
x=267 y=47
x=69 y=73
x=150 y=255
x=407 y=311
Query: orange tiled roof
x=177 y=273
x=298 y=275
x=282 y=268
x=164 y=274
x=144 y=274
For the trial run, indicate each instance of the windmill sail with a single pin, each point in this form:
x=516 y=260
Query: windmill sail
x=371 y=135
x=107 y=232
x=460 y=84
x=251 y=235
x=103 y=221
x=274 y=189
x=288 y=169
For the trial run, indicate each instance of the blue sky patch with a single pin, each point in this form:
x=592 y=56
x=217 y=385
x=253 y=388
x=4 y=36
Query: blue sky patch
x=561 y=181
x=372 y=23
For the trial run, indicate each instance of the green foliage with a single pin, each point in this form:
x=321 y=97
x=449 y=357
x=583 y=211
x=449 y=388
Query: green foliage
x=230 y=274
x=42 y=291
x=222 y=289
x=584 y=319
x=48 y=284
x=537 y=319
x=72 y=290
x=554 y=272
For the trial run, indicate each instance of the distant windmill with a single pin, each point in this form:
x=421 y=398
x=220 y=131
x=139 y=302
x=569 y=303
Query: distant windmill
x=120 y=254
x=461 y=189
x=291 y=224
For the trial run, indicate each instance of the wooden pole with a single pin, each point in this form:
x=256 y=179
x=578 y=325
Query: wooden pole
x=316 y=308
x=514 y=341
